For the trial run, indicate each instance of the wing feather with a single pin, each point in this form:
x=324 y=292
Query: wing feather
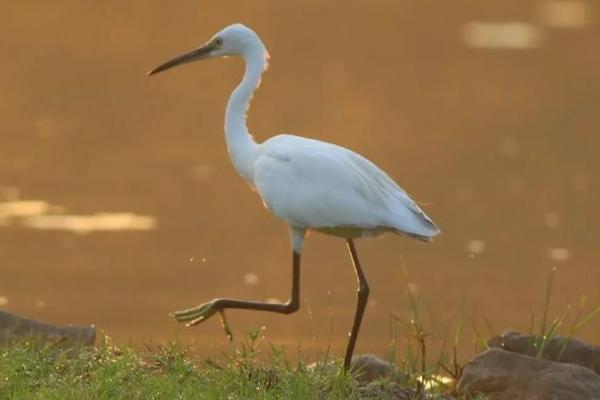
x=314 y=184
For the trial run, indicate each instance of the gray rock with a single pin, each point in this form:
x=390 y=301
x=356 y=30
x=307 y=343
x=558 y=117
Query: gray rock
x=364 y=368
x=504 y=375
x=369 y=367
x=13 y=327
x=558 y=348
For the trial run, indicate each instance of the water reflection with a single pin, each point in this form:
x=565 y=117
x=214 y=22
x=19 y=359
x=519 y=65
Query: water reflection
x=563 y=14
x=39 y=214
x=96 y=222
x=251 y=279
x=22 y=209
x=527 y=35
x=552 y=220
x=39 y=303
x=559 y=254
x=579 y=181
x=203 y=172
x=475 y=246
x=502 y=35
x=510 y=148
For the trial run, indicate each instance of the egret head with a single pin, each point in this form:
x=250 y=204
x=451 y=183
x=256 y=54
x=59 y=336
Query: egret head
x=236 y=39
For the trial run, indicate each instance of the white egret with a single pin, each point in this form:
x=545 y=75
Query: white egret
x=312 y=185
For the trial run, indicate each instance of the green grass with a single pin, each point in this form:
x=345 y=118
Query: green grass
x=36 y=370
x=31 y=370
x=255 y=369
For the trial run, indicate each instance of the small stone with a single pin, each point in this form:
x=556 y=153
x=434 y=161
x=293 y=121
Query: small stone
x=369 y=368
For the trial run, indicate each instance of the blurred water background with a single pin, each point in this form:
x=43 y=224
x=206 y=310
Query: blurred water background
x=118 y=203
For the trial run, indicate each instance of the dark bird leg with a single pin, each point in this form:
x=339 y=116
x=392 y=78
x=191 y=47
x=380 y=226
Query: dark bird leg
x=363 y=295
x=196 y=315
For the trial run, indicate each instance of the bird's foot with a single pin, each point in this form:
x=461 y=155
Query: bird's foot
x=195 y=315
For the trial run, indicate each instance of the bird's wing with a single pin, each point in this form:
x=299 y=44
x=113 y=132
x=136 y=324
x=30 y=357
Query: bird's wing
x=314 y=184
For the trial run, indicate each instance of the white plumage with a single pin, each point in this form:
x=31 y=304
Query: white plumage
x=312 y=185
x=321 y=186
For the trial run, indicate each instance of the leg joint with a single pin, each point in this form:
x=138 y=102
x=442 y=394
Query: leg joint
x=291 y=307
x=363 y=289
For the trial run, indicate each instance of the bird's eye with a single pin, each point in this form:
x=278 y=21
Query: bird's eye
x=219 y=41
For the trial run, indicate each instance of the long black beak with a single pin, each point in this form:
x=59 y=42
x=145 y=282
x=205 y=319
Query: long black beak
x=200 y=53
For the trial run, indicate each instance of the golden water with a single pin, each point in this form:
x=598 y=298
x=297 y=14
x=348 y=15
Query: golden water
x=118 y=203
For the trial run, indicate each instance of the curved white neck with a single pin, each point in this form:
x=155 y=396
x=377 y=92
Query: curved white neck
x=240 y=144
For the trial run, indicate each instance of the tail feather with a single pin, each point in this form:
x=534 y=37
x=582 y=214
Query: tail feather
x=417 y=225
